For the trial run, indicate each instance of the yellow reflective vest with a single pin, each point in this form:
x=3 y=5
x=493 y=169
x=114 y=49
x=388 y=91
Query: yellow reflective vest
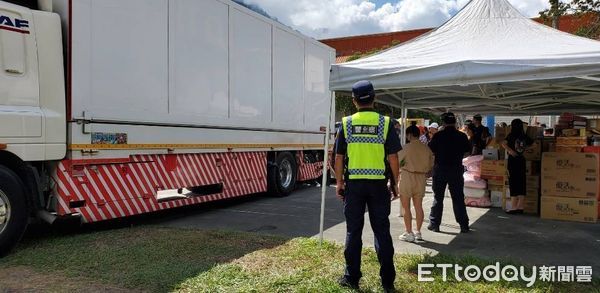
x=365 y=134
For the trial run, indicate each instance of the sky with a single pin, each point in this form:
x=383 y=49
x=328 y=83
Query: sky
x=322 y=19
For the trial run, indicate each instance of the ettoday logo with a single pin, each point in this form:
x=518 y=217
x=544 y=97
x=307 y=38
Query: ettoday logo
x=508 y=273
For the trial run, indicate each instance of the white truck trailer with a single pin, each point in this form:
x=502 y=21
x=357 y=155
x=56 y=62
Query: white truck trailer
x=115 y=108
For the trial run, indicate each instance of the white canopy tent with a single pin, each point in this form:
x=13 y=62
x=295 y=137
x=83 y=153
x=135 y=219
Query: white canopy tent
x=487 y=55
x=487 y=59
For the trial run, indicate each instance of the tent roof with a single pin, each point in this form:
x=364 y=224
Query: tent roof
x=487 y=58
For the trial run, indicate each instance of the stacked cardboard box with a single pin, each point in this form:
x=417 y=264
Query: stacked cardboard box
x=593 y=126
x=500 y=134
x=570 y=186
x=595 y=150
x=499 y=195
x=570 y=144
x=533 y=156
x=568 y=122
x=532 y=194
x=494 y=171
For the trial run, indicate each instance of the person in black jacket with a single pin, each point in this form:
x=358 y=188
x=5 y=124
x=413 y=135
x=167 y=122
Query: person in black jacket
x=449 y=147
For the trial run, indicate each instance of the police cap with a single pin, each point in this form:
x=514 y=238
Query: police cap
x=363 y=91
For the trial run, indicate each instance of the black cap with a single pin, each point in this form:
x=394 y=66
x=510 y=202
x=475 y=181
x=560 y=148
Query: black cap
x=477 y=117
x=363 y=91
x=449 y=118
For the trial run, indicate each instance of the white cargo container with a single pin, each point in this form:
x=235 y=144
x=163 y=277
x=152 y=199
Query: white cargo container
x=113 y=108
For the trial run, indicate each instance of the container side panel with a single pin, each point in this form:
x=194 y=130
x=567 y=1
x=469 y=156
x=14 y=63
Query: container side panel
x=250 y=62
x=120 y=54
x=316 y=103
x=288 y=79
x=199 y=47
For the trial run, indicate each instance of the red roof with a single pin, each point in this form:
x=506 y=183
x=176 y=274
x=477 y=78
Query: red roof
x=347 y=46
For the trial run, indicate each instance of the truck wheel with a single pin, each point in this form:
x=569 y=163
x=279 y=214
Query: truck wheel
x=13 y=210
x=282 y=176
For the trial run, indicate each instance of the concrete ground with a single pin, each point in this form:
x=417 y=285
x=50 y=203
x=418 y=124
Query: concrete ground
x=495 y=235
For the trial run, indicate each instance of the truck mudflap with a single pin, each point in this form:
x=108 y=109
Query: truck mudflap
x=308 y=167
x=108 y=189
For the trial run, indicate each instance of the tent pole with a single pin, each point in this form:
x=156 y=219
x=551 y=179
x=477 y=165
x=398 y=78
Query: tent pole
x=402 y=138
x=405 y=114
x=325 y=168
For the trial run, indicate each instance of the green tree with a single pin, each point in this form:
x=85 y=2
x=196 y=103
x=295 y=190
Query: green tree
x=580 y=8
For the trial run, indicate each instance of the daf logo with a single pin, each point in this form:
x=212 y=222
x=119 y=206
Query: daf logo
x=14 y=24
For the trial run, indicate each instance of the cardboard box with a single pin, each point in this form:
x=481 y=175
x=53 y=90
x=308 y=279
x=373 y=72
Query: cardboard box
x=593 y=124
x=576 y=164
x=532 y=193
x=568 y=149
x=569 y=209
x=534 y=132
x=571 y=141
x=493 y=168
x=530 y=206
x=497 y=187
x=574 y=132
x=506 y=204
x=497 y=180
x=532 y=168
x=496 y=198
x=500 y=133
x=570 y=186
x=490 y=154
x=534 y=153
x=532 y=182
x=595 y=150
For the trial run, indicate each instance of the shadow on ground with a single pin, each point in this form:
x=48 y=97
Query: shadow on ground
x=526 y=239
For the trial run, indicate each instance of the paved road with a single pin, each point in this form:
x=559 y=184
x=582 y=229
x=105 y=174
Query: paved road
x=495 y=235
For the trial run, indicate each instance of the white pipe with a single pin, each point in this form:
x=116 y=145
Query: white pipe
x=324 y=182
x=403 y=141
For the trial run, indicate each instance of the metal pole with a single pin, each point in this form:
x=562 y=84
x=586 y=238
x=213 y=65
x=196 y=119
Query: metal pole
x=402 y=140
x=403 y=129
x=325 y=168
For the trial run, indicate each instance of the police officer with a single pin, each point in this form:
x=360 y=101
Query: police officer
x=364 y=142
x=449 y=147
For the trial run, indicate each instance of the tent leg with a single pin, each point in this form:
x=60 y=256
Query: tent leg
x=325 y=180
x=403 y=142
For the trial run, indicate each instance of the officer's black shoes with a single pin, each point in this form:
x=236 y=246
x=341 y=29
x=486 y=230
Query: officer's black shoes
x=433 y=228
x=390 y=289
x=464 y=229
x=347 y=283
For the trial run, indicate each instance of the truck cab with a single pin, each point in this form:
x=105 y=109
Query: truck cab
x=32 y=111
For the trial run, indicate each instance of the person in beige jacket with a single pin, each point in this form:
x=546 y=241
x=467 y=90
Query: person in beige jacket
x=416 y=162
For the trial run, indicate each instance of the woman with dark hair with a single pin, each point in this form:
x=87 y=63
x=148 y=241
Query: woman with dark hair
x=416 y=161
x=515 y=144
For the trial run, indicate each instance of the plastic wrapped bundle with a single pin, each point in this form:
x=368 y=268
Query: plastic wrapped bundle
x=472 y=180
x=483 y=202
x=475 y=192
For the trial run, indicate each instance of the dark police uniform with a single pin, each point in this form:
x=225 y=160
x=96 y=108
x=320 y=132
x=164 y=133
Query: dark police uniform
x=449 y=147
x=371 y=193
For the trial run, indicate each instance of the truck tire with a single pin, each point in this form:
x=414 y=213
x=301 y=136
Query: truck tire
x=13 y=210
x=282 y=175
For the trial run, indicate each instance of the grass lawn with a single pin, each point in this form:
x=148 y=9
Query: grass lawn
x=166 y=259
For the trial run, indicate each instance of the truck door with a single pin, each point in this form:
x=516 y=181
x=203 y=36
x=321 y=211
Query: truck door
x=20 y=113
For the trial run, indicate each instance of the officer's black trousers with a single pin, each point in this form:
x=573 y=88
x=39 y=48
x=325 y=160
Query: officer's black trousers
x=374 y=195
x=453 y=178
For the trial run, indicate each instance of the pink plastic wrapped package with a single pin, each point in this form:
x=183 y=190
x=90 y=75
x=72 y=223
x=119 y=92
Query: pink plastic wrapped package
x=483 y=202
x=472 y=159
x=472 y=180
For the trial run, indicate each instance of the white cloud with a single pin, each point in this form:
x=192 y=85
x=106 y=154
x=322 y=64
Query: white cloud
x=336 y=18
